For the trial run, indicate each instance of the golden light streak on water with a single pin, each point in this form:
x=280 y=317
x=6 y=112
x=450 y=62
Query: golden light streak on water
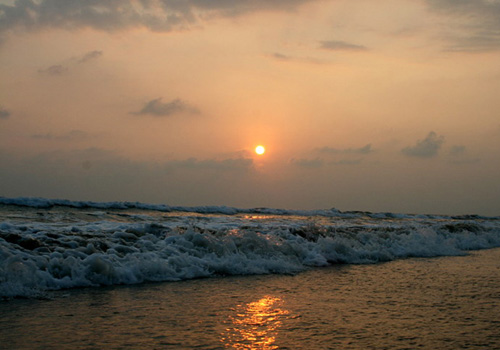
x=255 y=325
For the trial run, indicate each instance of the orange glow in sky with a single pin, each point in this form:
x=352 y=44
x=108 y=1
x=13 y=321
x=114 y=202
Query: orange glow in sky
x=384 y=107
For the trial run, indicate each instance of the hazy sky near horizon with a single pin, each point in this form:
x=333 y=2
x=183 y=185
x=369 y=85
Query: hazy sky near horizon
x=390 y=105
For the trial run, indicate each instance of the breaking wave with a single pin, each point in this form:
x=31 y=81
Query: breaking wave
x=56 y=244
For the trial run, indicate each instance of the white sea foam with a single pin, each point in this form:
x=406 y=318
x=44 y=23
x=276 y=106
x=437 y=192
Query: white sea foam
x=55 y=244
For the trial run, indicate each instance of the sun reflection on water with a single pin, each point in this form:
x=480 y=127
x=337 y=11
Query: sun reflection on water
x=255 y=325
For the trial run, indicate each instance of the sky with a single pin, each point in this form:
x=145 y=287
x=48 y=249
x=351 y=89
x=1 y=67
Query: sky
x=382 y=106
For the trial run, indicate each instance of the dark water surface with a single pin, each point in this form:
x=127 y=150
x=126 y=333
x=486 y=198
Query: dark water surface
x=438 y=303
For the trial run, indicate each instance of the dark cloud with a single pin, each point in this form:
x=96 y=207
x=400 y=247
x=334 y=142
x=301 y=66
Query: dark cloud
x=286 y=58
x=480 y=28
x=60 y=69
x=425 y=148
x=99 y=174
x=73 y=135
x=348 y=162
x=281 y=57
x=478 y=42
x=466 y=161
x=458 y=155
x=156 y=15
x=308 y=163
x=457 y=150
x=337 y=45
x=157 y=108
x=486 y=9
x=231 y=164
x=54 y=70
x=362 y=150
x=92 y=55
x=88 y=173
x=4 y=114
x=229 y=8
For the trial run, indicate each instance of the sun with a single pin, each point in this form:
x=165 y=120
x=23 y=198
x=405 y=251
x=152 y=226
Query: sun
x=260 y=150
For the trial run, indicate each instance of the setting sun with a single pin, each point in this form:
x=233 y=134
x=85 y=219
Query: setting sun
x=260 y=150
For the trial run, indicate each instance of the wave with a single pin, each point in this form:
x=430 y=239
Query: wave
x=54 y=248
x=44 y=203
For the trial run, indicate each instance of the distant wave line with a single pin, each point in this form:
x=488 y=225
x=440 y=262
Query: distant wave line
x=45 y=203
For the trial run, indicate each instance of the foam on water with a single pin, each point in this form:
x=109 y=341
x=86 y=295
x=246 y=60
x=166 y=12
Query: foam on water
x=56 y=244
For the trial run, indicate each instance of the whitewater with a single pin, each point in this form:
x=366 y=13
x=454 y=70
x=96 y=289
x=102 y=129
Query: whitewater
x=48 y=245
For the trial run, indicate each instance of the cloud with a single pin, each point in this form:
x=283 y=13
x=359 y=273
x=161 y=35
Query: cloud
x=347 y=155
x=281 y=57
x=4 y=114
x=425 y=148
x=478 y=42
x=54 y=70
x=73 y=135
x=348 y=162
x=231 y=164
x=466 y=161
x=458 y=155
x=479 y=28
x=286 y=58
x=89 y=56
x=99 y=174
x=104 y=158
x=308 y=163
x=112 y=15
x=485 y=9
x=362 y=150
x=336 y=45
x=317 y=163
x=159 y=109
x=457 y=150
x=229 y=8
x=60 y=69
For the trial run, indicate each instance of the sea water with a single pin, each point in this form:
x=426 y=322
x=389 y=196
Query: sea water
x=416 y=303
x=321 y=279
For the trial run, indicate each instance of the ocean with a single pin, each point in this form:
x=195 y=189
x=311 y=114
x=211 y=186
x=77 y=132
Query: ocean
x=123 y=275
